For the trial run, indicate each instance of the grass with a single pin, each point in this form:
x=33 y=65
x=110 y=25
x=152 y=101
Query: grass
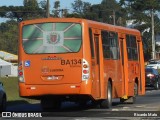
x=10 y=85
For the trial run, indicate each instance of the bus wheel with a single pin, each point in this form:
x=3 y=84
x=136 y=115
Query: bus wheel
x=3 y=104
x=107 y=103
x=48 y=103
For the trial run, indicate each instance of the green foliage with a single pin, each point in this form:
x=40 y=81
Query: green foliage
x=9 y=29
x=108 y=11
x=43 y=5
x=10 y=85
x=80 y=7
x=140 y=12
x=9 y=36
x=56 y=10
x=32 y=10
x=30 y=4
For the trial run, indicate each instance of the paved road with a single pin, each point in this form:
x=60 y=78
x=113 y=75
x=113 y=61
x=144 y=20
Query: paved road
x=147 y=105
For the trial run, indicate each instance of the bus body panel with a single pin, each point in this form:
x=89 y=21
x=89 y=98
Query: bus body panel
x=116 y=77
x=123 y=78
x=40 y=90
x=44 y=67
x=44 y=70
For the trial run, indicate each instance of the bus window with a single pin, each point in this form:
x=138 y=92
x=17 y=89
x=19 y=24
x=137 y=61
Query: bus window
x=91 y=42
x=110 y=45
x=131 y=47
x=113 y=37
x=52 y=38
x=106 y=45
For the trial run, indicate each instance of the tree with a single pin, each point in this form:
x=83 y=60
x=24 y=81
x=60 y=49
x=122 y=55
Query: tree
x=56 y=10
x=9 y=29
x=140 y=12
x=64 y=12
x=32 y=10
x=30 y=4
x=11 y=11
x=43 y=5
x=112 y=12
x=94 y=13
x=9 y=36
x=109 y=11
x=80 y=7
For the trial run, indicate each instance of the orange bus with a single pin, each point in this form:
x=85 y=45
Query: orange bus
x=70 y=59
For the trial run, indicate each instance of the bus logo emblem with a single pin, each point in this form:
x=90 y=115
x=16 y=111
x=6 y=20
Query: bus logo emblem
x=45 y=69
x=53 y=38
x=27 y=63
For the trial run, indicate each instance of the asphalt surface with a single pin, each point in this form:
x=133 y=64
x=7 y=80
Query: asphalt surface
x=146 y=107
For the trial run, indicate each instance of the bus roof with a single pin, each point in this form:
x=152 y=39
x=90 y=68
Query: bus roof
x=115 y=27
x=90 y=22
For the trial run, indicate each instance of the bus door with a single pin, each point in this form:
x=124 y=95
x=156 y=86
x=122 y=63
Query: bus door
x=124 y=67
x=96 y=65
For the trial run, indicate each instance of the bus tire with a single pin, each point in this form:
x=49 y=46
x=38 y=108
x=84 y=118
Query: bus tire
x=3 y=104
x=48 y=103
x=107 y=103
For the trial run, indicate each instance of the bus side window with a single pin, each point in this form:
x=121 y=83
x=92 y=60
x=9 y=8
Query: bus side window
x=114 y=48
x=106 y=44
x=131 y=47
x=91 y=43
x=134 y=49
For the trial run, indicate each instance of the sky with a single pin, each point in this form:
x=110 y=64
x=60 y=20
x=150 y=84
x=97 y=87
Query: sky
x=65 y=4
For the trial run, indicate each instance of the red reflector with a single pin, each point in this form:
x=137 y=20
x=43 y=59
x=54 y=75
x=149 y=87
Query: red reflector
x=85 y=71
x=20 y=73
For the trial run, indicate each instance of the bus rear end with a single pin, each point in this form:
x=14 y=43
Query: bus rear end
x=51 y=60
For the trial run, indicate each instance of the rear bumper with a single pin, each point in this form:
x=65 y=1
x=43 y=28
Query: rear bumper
x=40 y=90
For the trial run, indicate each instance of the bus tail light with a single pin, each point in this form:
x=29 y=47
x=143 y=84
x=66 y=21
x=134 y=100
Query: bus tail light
x=85 y=70
x=20 y=72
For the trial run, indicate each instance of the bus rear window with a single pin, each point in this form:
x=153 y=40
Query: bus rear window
x=52 y=38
